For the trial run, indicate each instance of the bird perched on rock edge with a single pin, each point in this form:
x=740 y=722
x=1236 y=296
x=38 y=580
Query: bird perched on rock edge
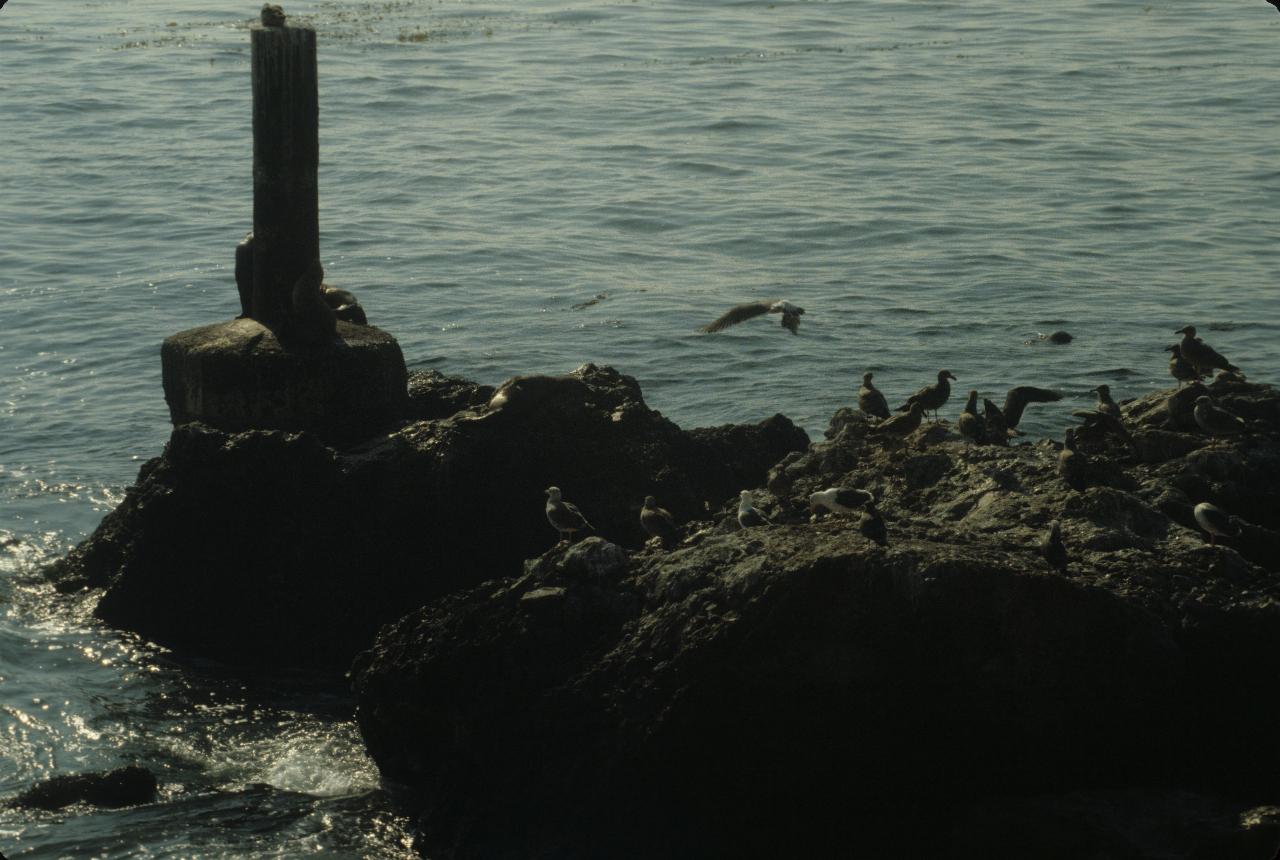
x=564 y=516
x=932 y=397
x=748 y=516
x=1053 y=549
x=840 y=500
x=1215 y=420
x=1216 y=522
x=871 y=400
x=658 y=522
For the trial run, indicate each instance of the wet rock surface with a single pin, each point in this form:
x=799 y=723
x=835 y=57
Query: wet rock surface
x=275 y=548
x=796 y=687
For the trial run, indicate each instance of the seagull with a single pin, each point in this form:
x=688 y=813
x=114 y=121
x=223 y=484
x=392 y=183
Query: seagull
x=970 y=423
x=1216 y=522
x=1053 y=549
x=748 y=516
x=872 y=526
x=1072 y=464
x=840 y=500
x=1017 y=398
x=1106 y=405
x=564 y=516
x=1199 y=354
x=902 y=425
x=931 y=396
x=1096 y=419
x=790 y=315
x=995 y=426
x=658 y=522
x=1179 y=368
x=870 y=400
x=1215 y=420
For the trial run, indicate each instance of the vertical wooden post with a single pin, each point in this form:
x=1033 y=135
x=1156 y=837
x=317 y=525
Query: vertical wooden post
x=286 y=158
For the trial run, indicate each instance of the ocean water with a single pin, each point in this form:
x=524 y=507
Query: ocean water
x=936 y=183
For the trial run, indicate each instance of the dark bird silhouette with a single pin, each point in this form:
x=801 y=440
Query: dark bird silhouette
x=970 y=423
x=741 y=313
x=1104 y=422
x=1106 y=405
x=871 y=400
x=658 y=522
x=1073 y=466
x=1199 y=354
x=872 y=526
x=1179 y=368
x=1053 y=549
x=995 y=425
x=931 y=397
x=1216 y=522
x=1018 y=397
x=1215 y=420
x=902 y=425
x=564 y=516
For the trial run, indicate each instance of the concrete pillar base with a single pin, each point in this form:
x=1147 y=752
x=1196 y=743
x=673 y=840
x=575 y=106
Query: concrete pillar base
x=237 y=376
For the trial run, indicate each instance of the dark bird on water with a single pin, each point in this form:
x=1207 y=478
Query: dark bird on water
x=1216 y=522
x=1018 y=397
x=871 y=400
x=1106 y=405
x=1179 y=368
x=748 y=516
x=872 y=527
x=1073 y=466
x=658 y=522
x=1199 y=354
x=790 y=315
x=902 y=425
x=970 y=423
x=840 y=500
x=996 y=430
x=931 y=397
x=1215 y=420
x=1053 y=549
x=564 y=516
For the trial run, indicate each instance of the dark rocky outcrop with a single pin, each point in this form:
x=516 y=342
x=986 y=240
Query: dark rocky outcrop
x=795 y=689
x=125 y=786
x=273 y=547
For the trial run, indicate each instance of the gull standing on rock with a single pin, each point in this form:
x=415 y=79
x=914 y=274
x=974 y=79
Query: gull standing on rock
x=748 y=516
x=1215 y=420
x=902 y=425
x=1053 y=549
x=1106 y=405
x=1179 y=368
x=1216 y=522
x=1199 y=354
x=931 y=397
x=658 y=522
x=872 y=526
x=564 y=516
x=870 y=400
x=790 y=315
x=970 y=423
x=840 y=500
x=995 y=427
x=1072 y=464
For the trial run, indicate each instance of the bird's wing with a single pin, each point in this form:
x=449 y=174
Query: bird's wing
x=573 y=509
x=853 y=498
x=738 y=314
x=1018 y=397
x=791 y=322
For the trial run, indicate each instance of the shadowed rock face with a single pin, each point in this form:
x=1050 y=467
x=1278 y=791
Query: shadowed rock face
x=269 y=547
x=795 y=688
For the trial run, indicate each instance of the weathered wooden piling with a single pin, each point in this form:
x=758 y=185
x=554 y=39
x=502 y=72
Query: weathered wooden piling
x=286 y=160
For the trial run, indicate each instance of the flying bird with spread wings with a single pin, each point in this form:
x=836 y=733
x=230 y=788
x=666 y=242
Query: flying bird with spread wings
x=790 y=315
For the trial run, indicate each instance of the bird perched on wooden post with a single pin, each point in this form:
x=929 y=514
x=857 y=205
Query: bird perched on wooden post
x=658 y=522
x=564 y=516
x=790 y=315
x=931 y=397
x=870 y=400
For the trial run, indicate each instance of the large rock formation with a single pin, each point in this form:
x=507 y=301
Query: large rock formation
x=271 y=547
x=796 y=689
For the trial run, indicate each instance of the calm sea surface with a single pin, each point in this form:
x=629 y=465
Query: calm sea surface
x=936 y=183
